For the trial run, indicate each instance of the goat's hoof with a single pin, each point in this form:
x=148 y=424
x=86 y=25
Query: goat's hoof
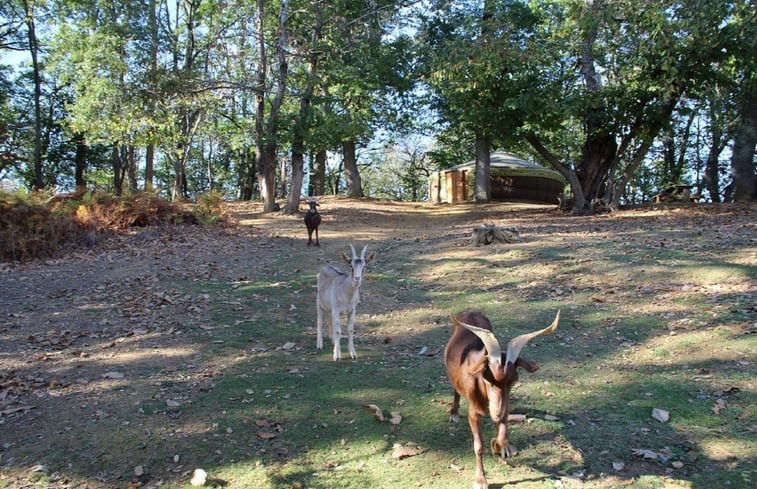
x=510 y=451
x=454 y=418
x=505 y=451
x=480 y=485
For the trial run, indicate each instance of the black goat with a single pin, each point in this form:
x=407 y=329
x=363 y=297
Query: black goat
x=312 y=221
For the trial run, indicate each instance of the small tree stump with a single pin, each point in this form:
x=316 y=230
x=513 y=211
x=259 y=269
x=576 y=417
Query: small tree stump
x=489 y=233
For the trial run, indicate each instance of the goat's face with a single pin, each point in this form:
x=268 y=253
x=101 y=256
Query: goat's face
x=313 y=204
x=358 y=263
x=499 y=371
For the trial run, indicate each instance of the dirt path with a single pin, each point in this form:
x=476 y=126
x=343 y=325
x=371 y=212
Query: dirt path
x=85 y=336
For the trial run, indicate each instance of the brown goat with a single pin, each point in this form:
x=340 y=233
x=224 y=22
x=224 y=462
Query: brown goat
x=480 y=372
x=312 y=221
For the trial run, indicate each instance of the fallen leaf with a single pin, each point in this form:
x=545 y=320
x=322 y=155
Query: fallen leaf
x=112 y=375
x=660 y=415
x=396 y=418
x=719 y=405
x=618 y=465
x=172 y=403
x=516 y=418
x=677 y=464
x=13 y=410
x=377 y=413
x=266 y=435
x=288 y=346
x=548 y=417
x=139 y=471
x=198 y=477
x=642 y=452
x=400 y=451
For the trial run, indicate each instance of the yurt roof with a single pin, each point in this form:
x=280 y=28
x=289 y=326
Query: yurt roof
x=513 y=165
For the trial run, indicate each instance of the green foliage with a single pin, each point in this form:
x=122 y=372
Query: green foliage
x=211 y=208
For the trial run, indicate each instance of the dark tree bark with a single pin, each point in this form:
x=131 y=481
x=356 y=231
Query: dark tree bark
x=39 y=181
x=302 y=123
x=351 y=172
x=318 y=176
x=482 y=185
x=80 y=161
x=711 y=170
x=150 y=150
x=742 y=159
x=266 y=142
x=118 y=175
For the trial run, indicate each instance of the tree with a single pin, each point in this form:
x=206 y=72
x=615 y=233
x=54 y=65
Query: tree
x=309 y=51
x=742 y=161
x=742 y=48
x=266 y=128
x=30 y=15
x=594 y=83
x=475 y=56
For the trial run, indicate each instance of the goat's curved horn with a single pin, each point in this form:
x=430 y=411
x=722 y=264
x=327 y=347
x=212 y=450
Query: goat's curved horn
x=490 y=341
x=362 y=255
x=353 y=251
x=516 y=344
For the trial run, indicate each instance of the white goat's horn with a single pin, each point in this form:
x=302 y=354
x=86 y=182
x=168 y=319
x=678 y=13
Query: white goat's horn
x=516 y=344
x=353 y=251
x=362 y=255
x=490 y=341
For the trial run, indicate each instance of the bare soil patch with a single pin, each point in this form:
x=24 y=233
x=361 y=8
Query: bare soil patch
x=89 y=342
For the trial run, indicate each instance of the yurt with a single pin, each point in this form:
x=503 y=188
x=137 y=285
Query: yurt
x=512 y=178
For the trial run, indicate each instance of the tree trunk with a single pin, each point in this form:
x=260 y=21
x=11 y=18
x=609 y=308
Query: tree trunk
x=351 y=172
x=131 y=167
x=117 y=170
x=303 y=121
x=80 y=161
x=483 y=185
x=579 y=201
x=620 y=184
x=39 y=181
x=318 y=177
x=149 y=167
x=246 y=173
x=266 y=133
x=267 y=176
x=177 y=189
x=711 y=170
x=742 y=159
x=153 y=80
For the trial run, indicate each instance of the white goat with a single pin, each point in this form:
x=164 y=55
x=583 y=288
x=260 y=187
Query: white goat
x=339 y=292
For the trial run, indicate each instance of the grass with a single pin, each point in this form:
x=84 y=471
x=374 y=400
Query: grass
x=643 y=326
x=602 y=377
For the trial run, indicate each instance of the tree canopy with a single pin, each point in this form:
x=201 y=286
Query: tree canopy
x=276 y=99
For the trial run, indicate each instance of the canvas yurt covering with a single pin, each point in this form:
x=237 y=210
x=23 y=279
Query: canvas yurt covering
x=512 y=178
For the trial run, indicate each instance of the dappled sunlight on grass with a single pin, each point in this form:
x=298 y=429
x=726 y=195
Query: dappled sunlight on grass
x=650 y=319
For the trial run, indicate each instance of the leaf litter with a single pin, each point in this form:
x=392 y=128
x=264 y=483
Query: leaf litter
x=98 y=311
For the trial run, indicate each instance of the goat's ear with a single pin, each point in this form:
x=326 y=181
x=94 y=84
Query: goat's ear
x=530 y=366
x=479 y=366
x=346 y=258
x=370 y=257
